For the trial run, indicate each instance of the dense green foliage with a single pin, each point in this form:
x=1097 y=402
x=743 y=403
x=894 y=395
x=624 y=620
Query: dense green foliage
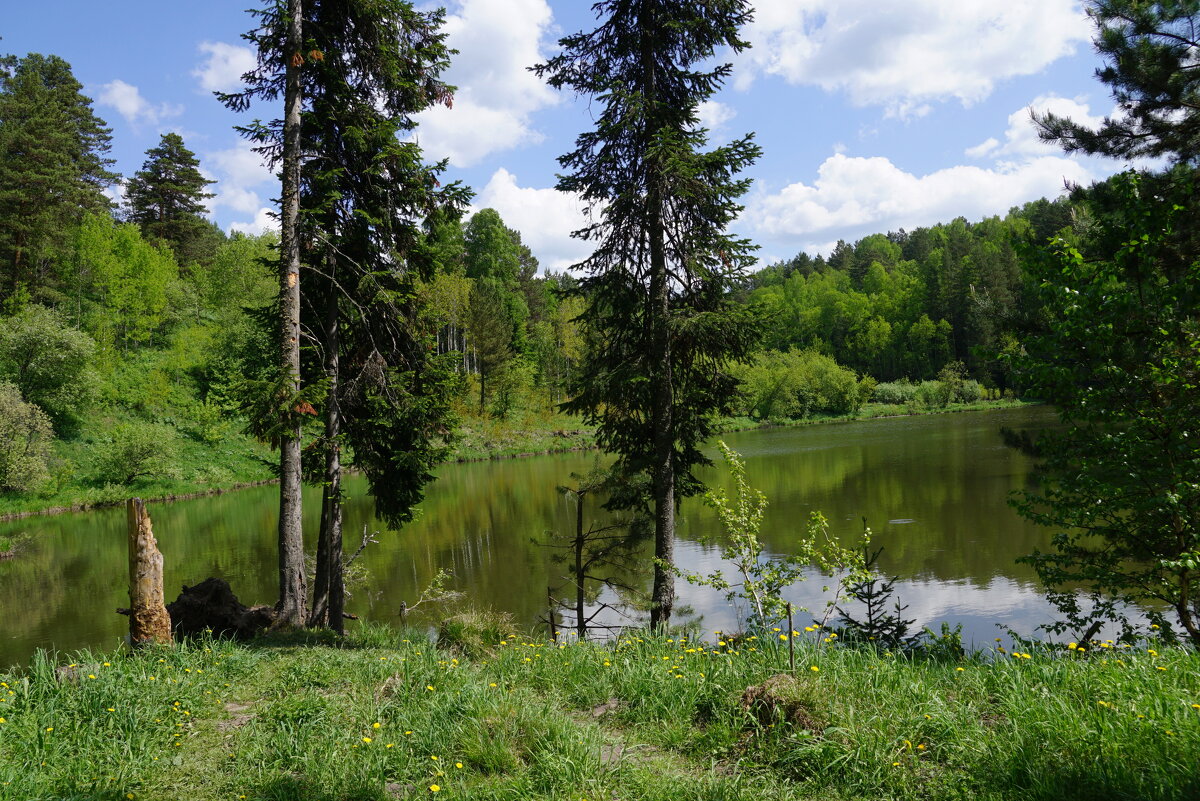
x=1119 y=356
x=52 y=146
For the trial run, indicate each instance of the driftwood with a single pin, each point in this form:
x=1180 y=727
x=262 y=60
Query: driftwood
x=148 y=618
x=211 y=606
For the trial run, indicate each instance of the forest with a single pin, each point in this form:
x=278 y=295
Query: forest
x=131 y=328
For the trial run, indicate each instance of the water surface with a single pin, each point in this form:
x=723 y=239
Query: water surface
x=933 y=488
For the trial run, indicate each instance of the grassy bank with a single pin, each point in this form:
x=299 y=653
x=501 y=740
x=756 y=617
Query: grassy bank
x=493 y=714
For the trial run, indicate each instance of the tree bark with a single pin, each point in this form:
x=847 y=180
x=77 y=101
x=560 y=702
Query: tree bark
x=292 y=589
x=148 y=618
x=580 y=541
x=659 y=302
x=329 y=593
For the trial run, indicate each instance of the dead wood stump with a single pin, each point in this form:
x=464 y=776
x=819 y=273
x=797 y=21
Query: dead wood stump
x=148 y=618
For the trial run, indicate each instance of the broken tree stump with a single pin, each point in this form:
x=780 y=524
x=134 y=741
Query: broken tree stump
x=148 y=618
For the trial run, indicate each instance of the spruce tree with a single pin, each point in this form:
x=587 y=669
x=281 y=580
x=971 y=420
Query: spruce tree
x=166 y=199
x=366 y=195
x=53 y=167
x=660 y=320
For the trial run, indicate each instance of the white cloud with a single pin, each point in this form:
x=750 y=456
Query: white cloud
x=497 y=43
x=982 y=149
x=226 y=63
x=240 y=173
x=906 y=56
x=713 y=115
x=853 y=197
x=262 y=222
x=545 y=218
x=129 y=103
x=1021 y=137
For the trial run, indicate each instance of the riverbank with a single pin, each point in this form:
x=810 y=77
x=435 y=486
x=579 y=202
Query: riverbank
x=491 y=713
x=200 y=468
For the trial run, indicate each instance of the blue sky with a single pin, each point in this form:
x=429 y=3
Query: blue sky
x=873 y=115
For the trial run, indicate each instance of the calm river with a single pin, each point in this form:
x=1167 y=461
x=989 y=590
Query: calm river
x=933 y=489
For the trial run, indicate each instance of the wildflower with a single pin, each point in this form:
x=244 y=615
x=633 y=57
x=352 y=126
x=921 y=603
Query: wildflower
x=1196 y=707
x=366 y=739
x=2 y=720
x=814 y=668
x=375 y=725
x=433 y=788
x=493 y=684
x=783 y=637
x=458 y=765
x=433 y=758
x=429 y=687
x=1160 y=667
x=91 y=675
x=1152 y=652
x=959 y=670
x=1072 y=646
x=49 y=728
x=921 y=747
x=895 y=764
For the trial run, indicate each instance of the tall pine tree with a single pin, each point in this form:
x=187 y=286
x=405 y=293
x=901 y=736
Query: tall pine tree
x=166 y=199
x=660 y=320
x=53 y=167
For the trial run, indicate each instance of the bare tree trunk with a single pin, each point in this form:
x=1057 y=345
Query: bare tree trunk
x=663 y=470
x=580 y=619
x=292 y=590
x=328 y=582
x=148 y=618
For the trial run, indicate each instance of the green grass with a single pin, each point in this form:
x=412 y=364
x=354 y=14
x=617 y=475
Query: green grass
x=644 y=718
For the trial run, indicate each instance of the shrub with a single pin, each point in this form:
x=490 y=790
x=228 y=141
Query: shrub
x=137 y=450
x=25 y=435
x=48 y=361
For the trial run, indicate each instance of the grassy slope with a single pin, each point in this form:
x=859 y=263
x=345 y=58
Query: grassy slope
x=387 y=715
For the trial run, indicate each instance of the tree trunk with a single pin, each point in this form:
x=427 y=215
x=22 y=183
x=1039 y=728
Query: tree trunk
x=580 y=620
x=663 y=469
x=328 y=594
x=148 y=618
x=292 y=590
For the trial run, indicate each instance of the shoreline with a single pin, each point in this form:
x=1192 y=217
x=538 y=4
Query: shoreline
x=570 y=445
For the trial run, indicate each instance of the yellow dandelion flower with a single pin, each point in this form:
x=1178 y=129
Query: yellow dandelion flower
x=783 y=637
x=458 y=765
x=433 y=788
x=376 y=725
x=814 y=668
x=1160 y=667
x=366 y=739
x=2 y=720
x=433 y=758
x=429 y=687
x=91 y=675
